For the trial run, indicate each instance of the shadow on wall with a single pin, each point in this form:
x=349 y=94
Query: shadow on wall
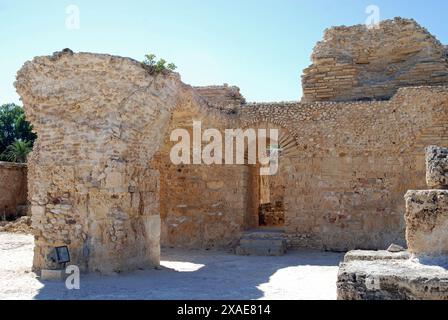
x=194 y=275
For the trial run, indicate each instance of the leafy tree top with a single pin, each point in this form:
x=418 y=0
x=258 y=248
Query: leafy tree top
x=14 y=127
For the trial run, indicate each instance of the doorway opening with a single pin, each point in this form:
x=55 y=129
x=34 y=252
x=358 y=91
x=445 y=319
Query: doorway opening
x=271 y=211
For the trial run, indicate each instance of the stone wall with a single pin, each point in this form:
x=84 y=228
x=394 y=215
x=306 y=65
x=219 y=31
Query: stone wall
x=356 y=63
x=99 y=120
x=101 y=181
x=13 y=188
x=420 y=273
x=203 y=206
x=342 y=176
x=352 y=164
x=223 y=97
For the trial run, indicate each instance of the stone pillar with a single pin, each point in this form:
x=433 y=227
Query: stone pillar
x=99 y=120
x=437 y=167
x=427 y=210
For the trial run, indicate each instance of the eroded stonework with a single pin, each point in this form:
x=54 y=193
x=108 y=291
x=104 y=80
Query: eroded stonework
x=357 y=63
x=101 y=180
x=421 y=273
x=437 y=167
x=427 y=222
x=90 y=185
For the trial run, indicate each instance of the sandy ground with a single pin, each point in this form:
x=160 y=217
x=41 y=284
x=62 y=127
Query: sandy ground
x=186 y=274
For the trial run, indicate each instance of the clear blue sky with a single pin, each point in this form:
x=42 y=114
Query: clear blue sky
x=262 y=46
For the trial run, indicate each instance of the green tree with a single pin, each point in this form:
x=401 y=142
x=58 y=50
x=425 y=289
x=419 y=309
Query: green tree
x=18 y=151
x=159 y=66
x=150 y=60
x=14 y=127
x=171 y=66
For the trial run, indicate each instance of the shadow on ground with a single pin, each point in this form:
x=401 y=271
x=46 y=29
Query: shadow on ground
x=215 y=275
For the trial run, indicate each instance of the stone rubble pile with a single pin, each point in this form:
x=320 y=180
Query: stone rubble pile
x=21 y=225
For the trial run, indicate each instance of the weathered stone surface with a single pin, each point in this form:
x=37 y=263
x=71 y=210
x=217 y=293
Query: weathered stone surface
x=262 y=243
x=357 y=63
x=225 y=97
x=397 y=276
x=101 y=170
x=437 y=167
x=365 y=255
x=337 y=187
x=391 y=279
x=51 y=275
x=21 y=225
x=395 y=248
x=427 y=222
x=99 y=121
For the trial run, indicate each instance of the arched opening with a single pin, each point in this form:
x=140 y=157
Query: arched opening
x=268 y=191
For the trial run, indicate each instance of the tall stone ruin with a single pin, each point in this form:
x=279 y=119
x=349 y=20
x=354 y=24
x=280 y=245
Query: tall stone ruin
x=101 y=181
x=357 y=63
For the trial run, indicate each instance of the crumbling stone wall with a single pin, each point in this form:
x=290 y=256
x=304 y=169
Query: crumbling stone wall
x=13 y=179
x=203 y=206
x=418 y=273
x=353 y=162
x=100 y=177
x=357 y=63
x=341 y=179
x=99 y=120
x=225 y=97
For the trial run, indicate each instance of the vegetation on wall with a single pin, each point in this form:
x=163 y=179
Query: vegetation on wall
x=157 y=67
x=16 y=135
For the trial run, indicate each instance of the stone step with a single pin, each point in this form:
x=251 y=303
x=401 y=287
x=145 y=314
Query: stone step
x=262 y=243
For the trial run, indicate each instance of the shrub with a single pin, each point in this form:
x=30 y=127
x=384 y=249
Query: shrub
x=18 y=151
x=157 y=67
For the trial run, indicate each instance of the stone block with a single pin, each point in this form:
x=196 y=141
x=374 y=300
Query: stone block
x=152 y=231
x=261 y=243
x=51 y=275
x=391 y=279
x=362 y=255
x=427 y=222
x=437 y=167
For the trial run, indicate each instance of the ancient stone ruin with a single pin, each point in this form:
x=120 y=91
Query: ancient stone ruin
x=352 y=64
x=419 y=273
x=102 y=183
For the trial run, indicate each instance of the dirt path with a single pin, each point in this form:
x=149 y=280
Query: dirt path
x=186 y=274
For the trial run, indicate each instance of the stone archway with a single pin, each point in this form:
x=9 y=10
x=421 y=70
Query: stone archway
x=270 y=191
x=99 y=119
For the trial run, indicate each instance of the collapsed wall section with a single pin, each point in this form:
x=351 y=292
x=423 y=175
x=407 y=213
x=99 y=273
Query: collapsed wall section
x=225 y=97
x=357 y=63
